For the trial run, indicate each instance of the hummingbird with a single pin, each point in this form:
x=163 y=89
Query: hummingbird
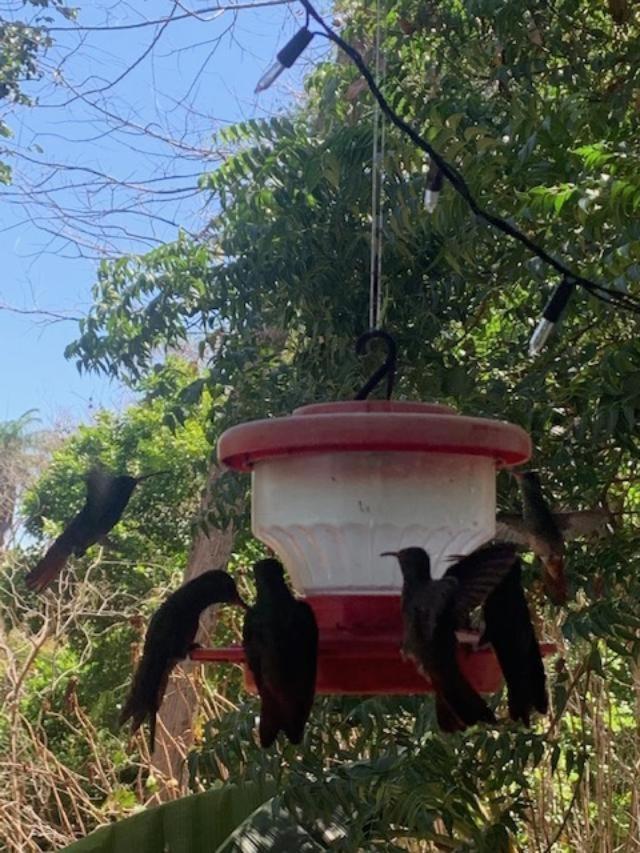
x=432 y=611
x=544 y=532
x=107 y=498
x=280 y=640
x=509 y=629
x=169 y=639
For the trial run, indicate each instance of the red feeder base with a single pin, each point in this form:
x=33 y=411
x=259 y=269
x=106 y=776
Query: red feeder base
x=359 y=650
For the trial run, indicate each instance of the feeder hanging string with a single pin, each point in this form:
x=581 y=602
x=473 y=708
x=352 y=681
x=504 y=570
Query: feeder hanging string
x=377 y=199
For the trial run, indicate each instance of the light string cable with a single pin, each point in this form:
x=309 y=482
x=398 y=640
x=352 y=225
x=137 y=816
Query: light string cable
x=377 y=189
x=622 y=300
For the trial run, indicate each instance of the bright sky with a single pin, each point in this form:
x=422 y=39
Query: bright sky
x=198 y=76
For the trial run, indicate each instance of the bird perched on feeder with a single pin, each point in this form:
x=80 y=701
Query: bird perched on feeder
x=280 y=640
x=433 y=609
x=107 y=498
x=544 y=532
x=169 y=639
x=509 y=629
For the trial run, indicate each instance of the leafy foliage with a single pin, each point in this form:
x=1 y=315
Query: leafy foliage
x=20 y=47
x=196 y=824
x=538 y=107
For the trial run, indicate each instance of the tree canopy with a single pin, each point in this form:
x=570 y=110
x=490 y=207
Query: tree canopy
x=21 y=46
x=537 y=106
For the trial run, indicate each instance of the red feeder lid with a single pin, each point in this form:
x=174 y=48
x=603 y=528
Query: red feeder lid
x=372 y=425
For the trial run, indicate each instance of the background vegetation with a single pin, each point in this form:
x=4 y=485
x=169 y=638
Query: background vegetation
x=537 y=105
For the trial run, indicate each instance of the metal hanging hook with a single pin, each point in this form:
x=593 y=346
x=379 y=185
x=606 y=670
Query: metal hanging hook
x=388 y=368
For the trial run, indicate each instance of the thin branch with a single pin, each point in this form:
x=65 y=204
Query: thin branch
x=54 y=316
x=233 y=7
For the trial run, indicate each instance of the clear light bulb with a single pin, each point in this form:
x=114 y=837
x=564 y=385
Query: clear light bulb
x=285 y=58
x=270 y=76
x=435 y=180
x=550 y=316
x=431 y=200
x=540 y=336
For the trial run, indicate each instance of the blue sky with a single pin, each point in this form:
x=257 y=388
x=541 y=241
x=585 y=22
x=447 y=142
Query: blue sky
x=198 y=76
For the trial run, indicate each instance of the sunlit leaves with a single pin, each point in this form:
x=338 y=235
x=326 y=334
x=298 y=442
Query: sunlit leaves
x=538 y=109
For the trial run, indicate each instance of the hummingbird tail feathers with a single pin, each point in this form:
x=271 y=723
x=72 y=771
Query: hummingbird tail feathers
x=527 y=691
x=152 y=730
x=49 y=566
x=555 y=580
x=447 y=721
x=461 y=700
x=270 y=719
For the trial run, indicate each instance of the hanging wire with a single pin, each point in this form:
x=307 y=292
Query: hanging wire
x=625 y=301
x=377 y=186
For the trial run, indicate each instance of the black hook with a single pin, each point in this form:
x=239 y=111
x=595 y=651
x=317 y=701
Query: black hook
x=388 y=368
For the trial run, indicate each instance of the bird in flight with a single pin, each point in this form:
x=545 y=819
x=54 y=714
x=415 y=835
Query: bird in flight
x=544 y=532
x=106 y=500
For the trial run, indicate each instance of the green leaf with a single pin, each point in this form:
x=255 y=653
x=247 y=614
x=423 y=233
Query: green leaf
x=196 y=824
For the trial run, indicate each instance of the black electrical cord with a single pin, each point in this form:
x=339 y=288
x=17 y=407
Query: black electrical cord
x=599 y=291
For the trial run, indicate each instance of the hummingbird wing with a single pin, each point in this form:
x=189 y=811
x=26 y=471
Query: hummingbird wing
x=302 y=686
x=281 y=649
x=429 y=639
x=582 y=523
x=255 y=641
x=99 y=491
x=545 y=538
x=478 y=574
x=573 y=524
x=510 y=527
x=510 y=631
x=456 y=700
x=111 y=510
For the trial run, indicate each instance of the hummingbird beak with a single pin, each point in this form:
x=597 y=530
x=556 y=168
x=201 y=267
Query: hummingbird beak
x=389 y=554
x=152 y=474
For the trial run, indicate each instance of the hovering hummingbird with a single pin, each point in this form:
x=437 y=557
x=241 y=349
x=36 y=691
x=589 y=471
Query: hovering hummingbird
x=509 y=629
x=544 y=532
x=280 y=639
x=433 y=609
x=169 y=639
x=107 y=498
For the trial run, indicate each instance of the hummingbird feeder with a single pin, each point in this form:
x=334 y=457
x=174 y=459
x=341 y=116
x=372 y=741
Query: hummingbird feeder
x=335 y=484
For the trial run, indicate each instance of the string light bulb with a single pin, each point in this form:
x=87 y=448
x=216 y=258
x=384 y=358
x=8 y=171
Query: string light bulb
x=285 y=58
x=435 y=180
x=550 y=316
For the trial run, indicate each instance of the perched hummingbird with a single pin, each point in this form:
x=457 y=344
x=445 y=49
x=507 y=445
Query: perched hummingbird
x=107 y=498
x=544 y=532
x=169 y=639
x=509 y=629
x=433 y=609
x=280 y=639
